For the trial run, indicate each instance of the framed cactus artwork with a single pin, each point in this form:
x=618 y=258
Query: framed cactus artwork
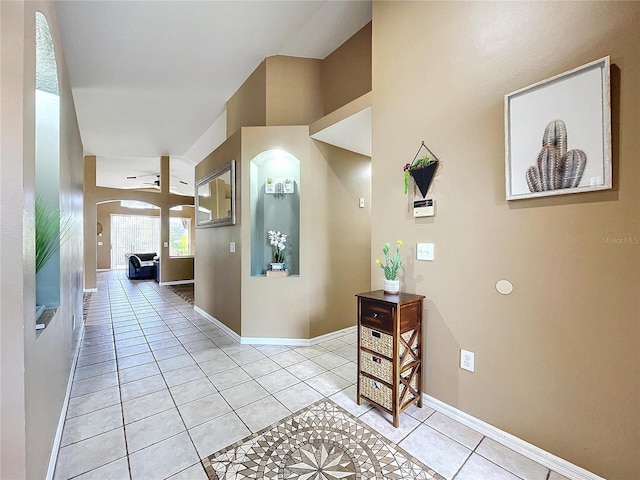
x=558 y=134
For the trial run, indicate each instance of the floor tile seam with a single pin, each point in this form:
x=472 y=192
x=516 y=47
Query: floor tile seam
x=91 y=436
x=73 y=384
x=95 y=468
x=156 y=442
x=503 y=467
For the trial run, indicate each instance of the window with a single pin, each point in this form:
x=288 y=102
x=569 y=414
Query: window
x=133 y=234
x=179 y=237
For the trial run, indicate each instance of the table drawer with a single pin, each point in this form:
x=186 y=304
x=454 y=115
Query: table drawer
x=377 y=315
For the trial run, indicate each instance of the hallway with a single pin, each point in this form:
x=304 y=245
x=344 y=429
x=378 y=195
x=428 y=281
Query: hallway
x=157 y=387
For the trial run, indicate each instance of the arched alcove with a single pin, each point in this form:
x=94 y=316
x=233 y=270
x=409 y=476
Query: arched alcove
x=275 y=205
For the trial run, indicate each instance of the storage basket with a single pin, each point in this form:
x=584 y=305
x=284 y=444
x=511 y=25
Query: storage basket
x=377 y=366
x=376 y=341
x=376 y=391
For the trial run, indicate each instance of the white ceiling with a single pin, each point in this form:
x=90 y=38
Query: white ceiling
x=150 y=77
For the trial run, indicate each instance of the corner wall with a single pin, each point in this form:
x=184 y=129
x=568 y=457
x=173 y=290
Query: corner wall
x=34 y=372
x=557 y=360
x=346 y=72
x=217 y=271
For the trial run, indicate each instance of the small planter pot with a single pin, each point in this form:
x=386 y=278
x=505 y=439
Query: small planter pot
x=391 y=286
x=277 y=266
x=424 y=176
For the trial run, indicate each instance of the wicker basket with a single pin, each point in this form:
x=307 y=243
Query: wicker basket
x=377 y=366
x=376 y=391
x=376 y=341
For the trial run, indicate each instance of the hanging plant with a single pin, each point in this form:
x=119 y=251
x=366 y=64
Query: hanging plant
x=422 y=170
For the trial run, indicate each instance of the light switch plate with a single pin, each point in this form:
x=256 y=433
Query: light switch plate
x=232 y=247
x=425 y=251
x=166 y=244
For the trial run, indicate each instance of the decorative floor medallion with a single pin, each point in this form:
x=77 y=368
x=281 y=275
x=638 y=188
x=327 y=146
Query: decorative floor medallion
x=321 y=442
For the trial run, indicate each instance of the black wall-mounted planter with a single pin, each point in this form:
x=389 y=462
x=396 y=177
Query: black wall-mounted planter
x=424 y=176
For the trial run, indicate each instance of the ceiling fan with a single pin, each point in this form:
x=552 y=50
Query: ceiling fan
x=156 y=182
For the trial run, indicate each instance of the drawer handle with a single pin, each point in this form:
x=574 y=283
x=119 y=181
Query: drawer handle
x=375 y=314
x=375 y=334
x=375 y=359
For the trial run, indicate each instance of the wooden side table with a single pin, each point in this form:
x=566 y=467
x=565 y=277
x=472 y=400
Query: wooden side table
x=390 y=351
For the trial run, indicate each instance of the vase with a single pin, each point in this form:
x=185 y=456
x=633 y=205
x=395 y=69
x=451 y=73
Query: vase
x=277 y=266
x=391 y=286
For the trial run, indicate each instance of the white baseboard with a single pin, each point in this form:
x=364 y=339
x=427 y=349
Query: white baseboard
x=296 y=342
x=63 y=413
x=89 y=290
x=178 y=282
x=332 y=335
x=218 y=324
x=516 y=444
x=103 y=270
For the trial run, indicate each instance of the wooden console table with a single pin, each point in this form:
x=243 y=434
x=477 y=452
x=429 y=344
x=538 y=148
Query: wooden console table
x=390 y=351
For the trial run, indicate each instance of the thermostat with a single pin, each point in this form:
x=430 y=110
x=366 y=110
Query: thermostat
x=424 y=208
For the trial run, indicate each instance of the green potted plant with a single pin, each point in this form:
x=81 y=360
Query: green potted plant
x=390 y=267
x=52 y=228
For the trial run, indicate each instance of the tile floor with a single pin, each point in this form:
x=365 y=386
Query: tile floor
x=157 y=387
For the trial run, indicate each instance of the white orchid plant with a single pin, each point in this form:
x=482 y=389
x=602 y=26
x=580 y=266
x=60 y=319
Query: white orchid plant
x=278 y=241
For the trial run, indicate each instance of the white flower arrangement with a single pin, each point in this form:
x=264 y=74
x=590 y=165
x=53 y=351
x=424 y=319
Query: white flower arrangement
x=278 y=241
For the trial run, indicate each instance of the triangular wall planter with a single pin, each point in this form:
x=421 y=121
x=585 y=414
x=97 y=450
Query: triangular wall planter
x=424 y=176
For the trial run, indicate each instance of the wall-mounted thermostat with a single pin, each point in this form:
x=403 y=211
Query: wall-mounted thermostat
x=424 y=208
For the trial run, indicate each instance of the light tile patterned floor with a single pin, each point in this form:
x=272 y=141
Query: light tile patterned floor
x=158 y=387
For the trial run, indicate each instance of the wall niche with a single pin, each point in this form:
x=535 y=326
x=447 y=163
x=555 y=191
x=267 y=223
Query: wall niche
x=275 y=205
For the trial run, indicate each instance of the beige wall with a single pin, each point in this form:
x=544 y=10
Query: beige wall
x=278 y=307
x=557 y=360
x=288 y=94
x=217 y=271
x=294 y=93
x=104 y=212
x=335 y=243
x=248 y=106
x=172 y=269
x=346 y=72
x=339 y=261
x=34 y=373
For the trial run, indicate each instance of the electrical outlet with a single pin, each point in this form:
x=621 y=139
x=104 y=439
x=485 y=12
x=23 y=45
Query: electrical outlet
x=467 y=360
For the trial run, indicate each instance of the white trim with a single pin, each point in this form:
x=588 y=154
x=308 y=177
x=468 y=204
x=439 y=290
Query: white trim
x=218 y=324
x=53 y=459
x=331 y=335
x=103 y=270
x=296 y=342
x=516 y=444
x=178 y=282
x=89 y=290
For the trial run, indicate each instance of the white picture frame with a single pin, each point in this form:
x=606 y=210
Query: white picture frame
x=558 y=134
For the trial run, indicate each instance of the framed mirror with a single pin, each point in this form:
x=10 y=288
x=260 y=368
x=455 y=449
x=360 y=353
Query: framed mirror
x=215 y=197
